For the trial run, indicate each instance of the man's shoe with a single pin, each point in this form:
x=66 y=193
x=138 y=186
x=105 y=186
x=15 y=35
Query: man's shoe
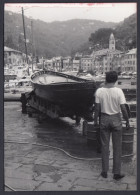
x=104 y=174
x=118 y=176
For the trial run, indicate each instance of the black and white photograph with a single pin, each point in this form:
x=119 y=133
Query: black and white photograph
x=70 y=96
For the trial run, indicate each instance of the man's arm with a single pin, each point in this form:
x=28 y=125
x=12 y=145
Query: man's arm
x=125 y=114
x=97 y=113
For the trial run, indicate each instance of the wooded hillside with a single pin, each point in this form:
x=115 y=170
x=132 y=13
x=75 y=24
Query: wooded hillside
x=50 y=39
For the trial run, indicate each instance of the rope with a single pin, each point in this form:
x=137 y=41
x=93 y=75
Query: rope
x=68 y=154
x=88 y=159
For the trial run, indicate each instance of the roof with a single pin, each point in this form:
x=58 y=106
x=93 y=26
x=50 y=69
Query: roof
x=86 y=57
x=111 y=36
x=49 y=61
x=115 y=51
x=100 y=52
x=66 y=60
x=76 y=61
x=105 y=52
x=12 y=50
x=132 y=51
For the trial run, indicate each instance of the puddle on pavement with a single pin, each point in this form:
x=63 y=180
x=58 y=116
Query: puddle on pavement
x=61 y=133
x=44 y=169
x=64 y=134
x=51 y=171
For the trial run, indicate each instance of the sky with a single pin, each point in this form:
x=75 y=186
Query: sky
x=108 y=12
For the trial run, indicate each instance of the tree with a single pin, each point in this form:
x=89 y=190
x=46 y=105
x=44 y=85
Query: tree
x=101 y=37
x=9 y=42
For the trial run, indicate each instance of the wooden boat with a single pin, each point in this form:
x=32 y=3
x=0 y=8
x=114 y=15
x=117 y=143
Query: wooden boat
x=124 y=77
x=72 y=94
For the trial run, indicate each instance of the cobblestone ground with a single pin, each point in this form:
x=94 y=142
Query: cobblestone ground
x=32 y=165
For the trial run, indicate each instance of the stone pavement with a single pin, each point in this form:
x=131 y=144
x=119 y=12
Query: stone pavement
x=34 y=167
x=44 y=169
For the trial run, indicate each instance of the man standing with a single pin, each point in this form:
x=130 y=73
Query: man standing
x=109 y=101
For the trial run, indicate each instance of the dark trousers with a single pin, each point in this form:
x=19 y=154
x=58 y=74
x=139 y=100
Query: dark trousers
x=111 y=124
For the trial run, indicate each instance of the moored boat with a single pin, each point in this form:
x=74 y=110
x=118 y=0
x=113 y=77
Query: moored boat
x=67 y=91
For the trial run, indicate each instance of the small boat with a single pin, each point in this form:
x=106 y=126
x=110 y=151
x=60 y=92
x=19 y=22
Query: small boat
x=87 y=76
x=72 y=94
x=124 y=77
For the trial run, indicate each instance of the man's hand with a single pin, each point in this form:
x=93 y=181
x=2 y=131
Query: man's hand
x=124 y=112
x=96 y=115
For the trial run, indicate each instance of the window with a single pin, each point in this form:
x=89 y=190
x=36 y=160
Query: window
x=5 y=55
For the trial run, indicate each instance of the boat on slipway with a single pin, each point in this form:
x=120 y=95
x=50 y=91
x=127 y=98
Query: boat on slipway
x=61 y=95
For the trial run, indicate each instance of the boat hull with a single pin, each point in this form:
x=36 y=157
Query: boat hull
x=67 y=94
x=77 y=96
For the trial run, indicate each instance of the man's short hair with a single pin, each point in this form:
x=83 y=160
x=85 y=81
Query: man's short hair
x=111 y=77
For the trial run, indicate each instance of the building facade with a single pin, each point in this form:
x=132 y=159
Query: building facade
x=57 y=64
x=86 y=63
x=103 y=59
x=76 y=64
x=13 y=57
x=67 y=64
x=48 y=64
x=130 y=61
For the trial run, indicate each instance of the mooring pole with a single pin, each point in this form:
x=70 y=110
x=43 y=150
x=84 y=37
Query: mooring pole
x=24 y=102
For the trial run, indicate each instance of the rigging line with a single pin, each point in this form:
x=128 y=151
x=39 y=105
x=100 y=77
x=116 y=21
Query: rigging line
x=20 y=11
x=27 y=8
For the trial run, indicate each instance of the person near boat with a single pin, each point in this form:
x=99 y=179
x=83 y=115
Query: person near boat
x=109 y=101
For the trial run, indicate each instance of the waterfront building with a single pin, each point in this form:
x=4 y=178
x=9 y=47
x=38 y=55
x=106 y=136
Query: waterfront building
x=57 y=63
x=67 y=64
x=13 y=57
x=48 y=64
x=76 y=64
x=103 y=59
x=86 y=63
x=98 y=64
x=118 y=63
x=130 y=61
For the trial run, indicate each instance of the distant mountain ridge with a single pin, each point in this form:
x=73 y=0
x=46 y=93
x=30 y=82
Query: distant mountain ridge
x=125 y=34
x=50 y=39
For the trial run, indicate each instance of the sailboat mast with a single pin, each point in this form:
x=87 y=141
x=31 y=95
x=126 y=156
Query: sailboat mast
x=32 y=43
x=25 y=37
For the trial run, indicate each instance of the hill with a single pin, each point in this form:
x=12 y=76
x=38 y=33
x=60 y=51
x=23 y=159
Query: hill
x=125 y=35
x=50 y=39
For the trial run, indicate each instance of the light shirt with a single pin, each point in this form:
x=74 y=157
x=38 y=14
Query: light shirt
x=110 y=99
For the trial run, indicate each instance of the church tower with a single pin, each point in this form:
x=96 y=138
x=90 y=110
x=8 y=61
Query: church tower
x=112 y=42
